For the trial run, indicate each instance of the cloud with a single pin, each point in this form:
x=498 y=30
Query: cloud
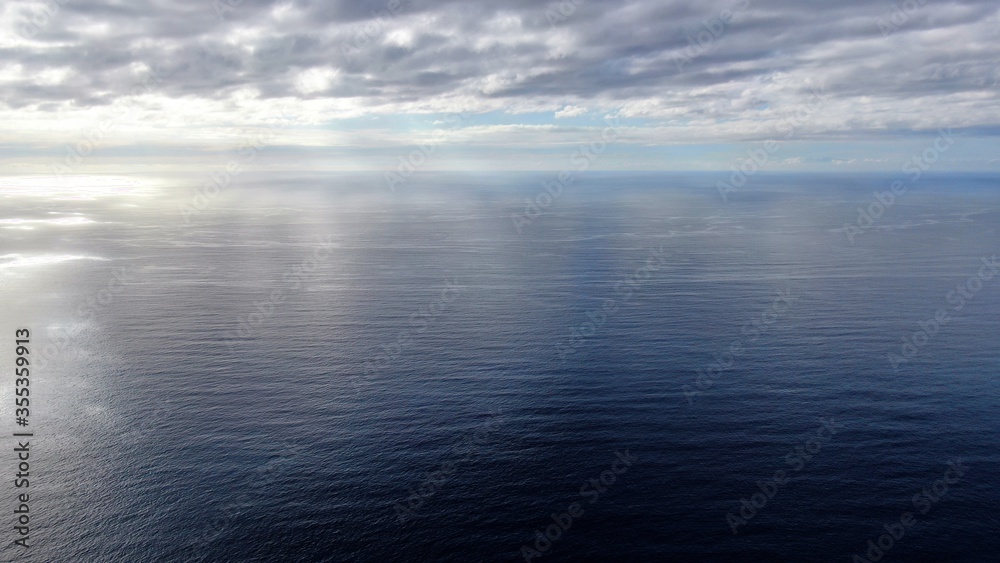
x=570 y=111
x=880 y=72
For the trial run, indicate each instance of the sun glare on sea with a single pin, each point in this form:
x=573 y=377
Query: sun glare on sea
x=82 y=187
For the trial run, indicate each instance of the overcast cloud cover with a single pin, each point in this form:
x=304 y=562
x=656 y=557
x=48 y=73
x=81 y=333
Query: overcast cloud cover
x=846 y=85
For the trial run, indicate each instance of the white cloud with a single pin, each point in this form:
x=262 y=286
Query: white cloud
x=315 y=80
x=570 y=111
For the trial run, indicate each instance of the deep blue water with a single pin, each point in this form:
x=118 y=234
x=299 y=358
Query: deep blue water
x=429 y=335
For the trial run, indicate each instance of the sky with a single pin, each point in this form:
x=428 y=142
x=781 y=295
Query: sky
x=847 y=86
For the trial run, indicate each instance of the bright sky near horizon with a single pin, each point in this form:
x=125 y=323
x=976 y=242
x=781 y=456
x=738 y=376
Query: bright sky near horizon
x=99 y=85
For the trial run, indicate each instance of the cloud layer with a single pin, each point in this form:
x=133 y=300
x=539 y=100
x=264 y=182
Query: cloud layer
x=367 y=73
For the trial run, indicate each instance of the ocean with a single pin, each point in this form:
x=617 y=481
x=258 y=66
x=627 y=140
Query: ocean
x=502 y=367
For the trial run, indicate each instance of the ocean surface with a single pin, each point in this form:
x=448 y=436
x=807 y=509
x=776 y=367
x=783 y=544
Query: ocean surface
x=317 y=368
